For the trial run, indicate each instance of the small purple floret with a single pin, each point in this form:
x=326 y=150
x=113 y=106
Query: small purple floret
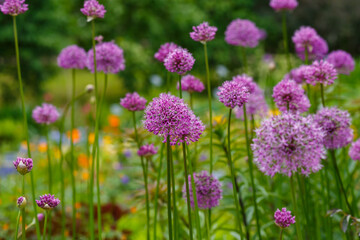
x=133 y=102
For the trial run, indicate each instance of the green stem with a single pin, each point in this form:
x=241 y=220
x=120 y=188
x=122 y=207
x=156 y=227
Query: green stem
x=233 y=177
x=45 y=224
x=191 y=101
x=23 y=231
x=322 y=94
x=293 y=197
x=207 y=224
x=26 y=130
x=176 y=216
x=167 y=81
x=180 y=90
x=72 y=156
x=281 y=233
x=157 y=189
x=306 y=56
x=250 y=161
x=285 y=36
x=187 y=191
x=17 y=225
x=48 y=151
x=168 y=158
x=91 y=192
x=210 y=108
x=243 y=51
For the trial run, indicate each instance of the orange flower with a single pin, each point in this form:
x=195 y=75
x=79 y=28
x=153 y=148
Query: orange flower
x=5 y=227
x=83 y=160
x=91 y=138
x=85 y=176
x=77 y=205
x=114 y=121
x=75 y=134
x=42 y=147
x=133 y=209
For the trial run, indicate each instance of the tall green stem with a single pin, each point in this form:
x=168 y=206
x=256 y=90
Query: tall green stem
x=23 y=233
x=293 y=197
x=207 y=224
x=187 y=191
x=157 y=189
x=245 y=67
x=45 y=224
x=72 y=156
x=180 y=90
x=285 y=37
x=48 y=151
x=145 y=179
x=233 y=177
x=250 y=161
x=322 y=94
x=176 y=216
x=210 y=108
x=26 y=130
x=168 y=158
x=17 y=225
x=167 y=81
x=281 y=233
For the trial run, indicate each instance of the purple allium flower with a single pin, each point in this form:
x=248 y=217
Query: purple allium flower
x=164 y=51
x=93 y=9
x=147 y=150
x=287 y=143
x=23 y=165
x=233 y=94
x=45 y=114
x=21 y=202
x=307 y=38
x=191 y=84
x=280 y=5
x=125 y=179
x=283 y=218
x=354 y=151
x=245 y=81
x=168 y=115
x=127 y=153
x=289 y=94
x=72 y=57
x=320 y=72
x=336 y=124
x=203 y=33
x=47 y=202
x=179 y=61
x=256 y=105
x=298 y=74
x=14 y=7
x=99 y=38
x=242 y=32
x=208 y=190
x=40 y=217
x=109 y=58
x=133 y=102
x=342 y=61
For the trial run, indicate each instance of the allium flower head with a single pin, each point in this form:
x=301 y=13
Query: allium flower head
x=288 y=93
x=245 y=81
x=208 y=190
x=109 y=58
x=164 y=51
x=179 y=61
x=72 y=57
x=93 y=9
x=342 y=61
x=191 y=84
x=283 y=218
x=13 y=7
x=354 y=151
x=233 y=94
x=321 y=72
x=297 y=74
x=21 y=202
x=280 y=5
x=288 y=143
x=242 y=32
x=47 y=202
x=256 y=105
x=336 y=124
x=307 y=38
x=133 y=102
x=23 y=165
x=147 y=150
x=203 y=33
x=45 y=114
x=168 y=115
x=40 y=217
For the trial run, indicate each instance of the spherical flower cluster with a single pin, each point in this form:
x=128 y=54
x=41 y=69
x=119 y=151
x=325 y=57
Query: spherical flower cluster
x=21 y=202
x=283 y=218
x=307 y=38
x=147 y=150
x=280 y=5
x=203 y=33
x=109 y=58
x=164 y=51
x=321 y=72
x=45 y=114
x=23 y=165
x=72 y=57
x=336 y=124
x=342 y=61
x=242 y=32
x=297 y=74
x=179 y=61
x=233 y=94
x=93 y=9
x=288 y=143
x=208 y=190
x=245 y=81
x=133 y=102
x=256 y=105
x=354 y=151
x=191 y=84
x=47 y=202
x=290 y=96
x=169 y=116
x=13 y=7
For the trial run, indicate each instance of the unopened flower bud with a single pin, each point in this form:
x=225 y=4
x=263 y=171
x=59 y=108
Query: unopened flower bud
x=89 y=88
x=21 y=202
